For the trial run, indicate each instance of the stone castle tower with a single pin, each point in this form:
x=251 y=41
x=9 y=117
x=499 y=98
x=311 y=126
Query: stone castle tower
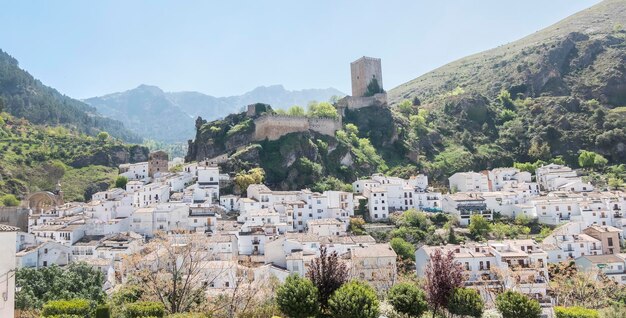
x=157 y=163
x=364 y=70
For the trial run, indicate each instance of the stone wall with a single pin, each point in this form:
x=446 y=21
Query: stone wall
x=14 y=216
x=273 y=127
x=352 y=102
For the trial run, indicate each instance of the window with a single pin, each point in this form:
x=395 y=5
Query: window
x=610 y=241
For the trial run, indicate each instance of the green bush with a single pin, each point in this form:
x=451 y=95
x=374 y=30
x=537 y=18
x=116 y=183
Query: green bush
x=103 y=311
x=466 y=302
x=297 y=297
x=408 y=299
x=77 y=307
x=575 y=312
x=144 y=309
x=516 y=305
x=354 y=299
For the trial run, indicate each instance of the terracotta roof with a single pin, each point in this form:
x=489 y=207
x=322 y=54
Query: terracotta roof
x=8 y=228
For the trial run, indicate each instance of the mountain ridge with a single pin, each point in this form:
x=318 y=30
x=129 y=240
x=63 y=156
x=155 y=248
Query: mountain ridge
x=136 y=107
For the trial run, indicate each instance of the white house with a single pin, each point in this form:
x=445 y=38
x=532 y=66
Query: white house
x=43 y=255
x=613 y=266
x=469 y=182
x=464 y=204
x=7 y=269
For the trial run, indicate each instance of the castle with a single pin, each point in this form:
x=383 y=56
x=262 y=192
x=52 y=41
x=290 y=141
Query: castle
x=367 y=90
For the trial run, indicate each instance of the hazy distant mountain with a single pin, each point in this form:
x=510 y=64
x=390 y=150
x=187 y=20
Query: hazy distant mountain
x=169 y=117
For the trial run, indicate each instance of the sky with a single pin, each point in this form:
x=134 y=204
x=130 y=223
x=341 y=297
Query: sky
x=223 y=48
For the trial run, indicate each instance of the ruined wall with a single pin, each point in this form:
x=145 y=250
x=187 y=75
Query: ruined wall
x=352 y=102
x=273 y=127
x=363 y=71
x=326 y=126
x=14 y=216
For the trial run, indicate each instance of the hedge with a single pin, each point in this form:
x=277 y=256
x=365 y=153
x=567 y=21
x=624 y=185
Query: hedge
x=575 y=312
x=144 y=309
x=76 y=307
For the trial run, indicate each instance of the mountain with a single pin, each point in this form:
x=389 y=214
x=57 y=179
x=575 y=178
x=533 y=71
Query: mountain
x=553 y=93
x=147 y=110
x=544 y=98
x=26 y=97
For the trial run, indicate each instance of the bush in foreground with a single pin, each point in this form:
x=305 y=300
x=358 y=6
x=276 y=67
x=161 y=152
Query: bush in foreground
x=144 y=309
x=297 y=297
x=575 y=312
x=466 y=302
x=77 y=307
x=354 y=299
x=516 y=305
x=407 y=299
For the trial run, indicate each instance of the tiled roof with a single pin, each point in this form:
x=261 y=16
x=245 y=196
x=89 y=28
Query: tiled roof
x=8 y=228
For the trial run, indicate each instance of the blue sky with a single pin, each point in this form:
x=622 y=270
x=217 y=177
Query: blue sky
x=89 y=48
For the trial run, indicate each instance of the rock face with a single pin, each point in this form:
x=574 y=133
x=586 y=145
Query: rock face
x=297 y=159
x=113 y=156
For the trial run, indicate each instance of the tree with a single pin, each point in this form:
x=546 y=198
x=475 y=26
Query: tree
x=103 y=135
x=479 y=227
x=357 y=226
x=253 y=176
x=587 y=159
x=512 y=304
x=296 y=110
x=323 y=110
x=328 y=273
x=405 y=107
x=614 y=183
x=120 y=182
x=40 y=285
x=443 y=275
x=599 y=161
x=355 y=299
x=408 y=299
x=452 y=236
x=297 y=297
x=9 y=200
x=404 y=249
x=169 y=270
x=466 y=302
x=373 y=88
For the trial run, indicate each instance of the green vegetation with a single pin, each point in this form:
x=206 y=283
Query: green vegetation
x=408 y=299
x=35 y=158
x=297 y=297
x=144 y=309
x=9 y=200
x=120 y=182
x=466 y=302
x=575 y=312
x=322 y=110
x=514 y=305
x=253 y=176
x=39 y=286
x=354 y=299
x=78 y=307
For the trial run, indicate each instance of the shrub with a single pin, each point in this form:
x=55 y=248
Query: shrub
x=354 y=299
x=575 y=312
x=78 y=307
x=408 y=299
x=144 y=309
x=103 y=311
x=466 y=302
x=9 y=200
x=515 y=305
x=297 y=297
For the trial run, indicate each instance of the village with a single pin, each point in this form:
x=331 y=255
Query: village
x=270 y=233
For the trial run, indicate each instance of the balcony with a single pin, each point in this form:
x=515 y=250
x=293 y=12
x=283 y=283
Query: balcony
x=256 y=241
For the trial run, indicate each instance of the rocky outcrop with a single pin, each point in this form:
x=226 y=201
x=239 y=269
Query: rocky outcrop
x=113 y=156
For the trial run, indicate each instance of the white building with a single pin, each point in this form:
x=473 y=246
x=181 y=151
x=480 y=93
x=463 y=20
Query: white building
x=43 y=255
x=506 y=178
x=326 y=227
x=464 y=204
x=7 y=270
x=613 y=266
x=519 y=265
x=469 y=182
x=134 y=171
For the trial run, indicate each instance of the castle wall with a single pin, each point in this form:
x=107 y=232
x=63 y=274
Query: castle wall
x=362 y=72
x=352 y=102
x=273 y=127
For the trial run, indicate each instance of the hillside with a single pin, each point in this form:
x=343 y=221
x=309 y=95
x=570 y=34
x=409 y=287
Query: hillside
x=34 y=158
x=553 y=93
x=302 y=159
x=169 y=116
x=545 y=97
x=26 y=97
